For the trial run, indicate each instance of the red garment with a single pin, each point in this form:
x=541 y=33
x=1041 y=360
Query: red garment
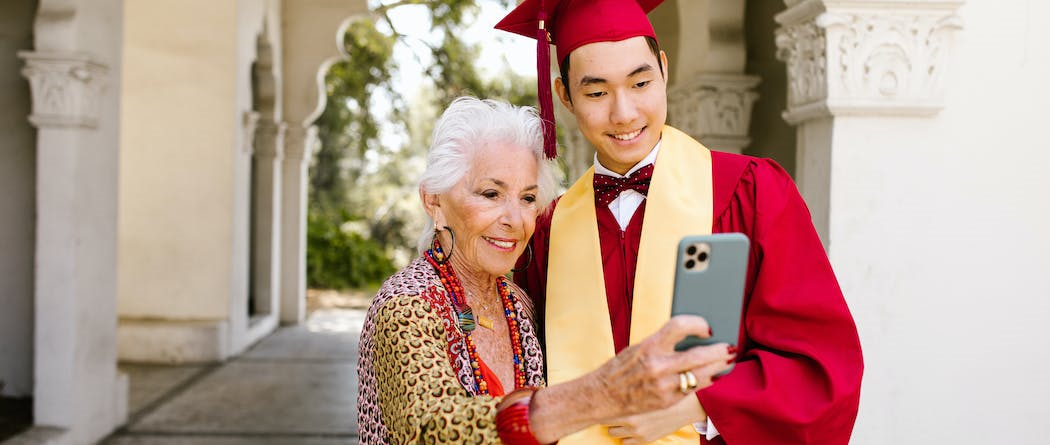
x=573 y=24
x=799 y=369
x=495 y=386
x=619 y=254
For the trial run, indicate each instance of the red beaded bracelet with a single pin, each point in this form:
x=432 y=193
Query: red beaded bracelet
x=512 y=418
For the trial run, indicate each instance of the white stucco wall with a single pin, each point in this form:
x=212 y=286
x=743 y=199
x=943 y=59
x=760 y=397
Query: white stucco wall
x=178 y=158
x=940 y=235
x=186 y=179
x=17 y=203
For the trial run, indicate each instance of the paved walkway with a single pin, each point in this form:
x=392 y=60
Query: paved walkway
x=297 y=386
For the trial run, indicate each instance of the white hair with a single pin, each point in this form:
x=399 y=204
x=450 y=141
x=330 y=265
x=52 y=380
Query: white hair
x=470 y=125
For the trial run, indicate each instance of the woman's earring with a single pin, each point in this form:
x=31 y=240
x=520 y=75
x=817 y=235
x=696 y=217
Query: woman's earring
x=439 y=255
x=528 y=248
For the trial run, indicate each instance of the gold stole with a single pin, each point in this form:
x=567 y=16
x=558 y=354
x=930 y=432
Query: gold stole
x=578 y=331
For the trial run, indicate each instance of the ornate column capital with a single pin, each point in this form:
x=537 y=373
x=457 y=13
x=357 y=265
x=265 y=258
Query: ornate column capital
x=859 y=57
x=269 y=138
x=249 y=121
x=299 y=142
x=65 y=87
x=715 y=109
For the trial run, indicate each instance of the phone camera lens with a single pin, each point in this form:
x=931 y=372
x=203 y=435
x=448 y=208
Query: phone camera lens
x=703 y=256
x=691 y=250
x=690 y=264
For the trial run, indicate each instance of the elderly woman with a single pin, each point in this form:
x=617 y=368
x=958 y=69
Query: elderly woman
x=449 y=352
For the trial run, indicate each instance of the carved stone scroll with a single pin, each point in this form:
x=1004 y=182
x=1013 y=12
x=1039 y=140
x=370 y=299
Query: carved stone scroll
x=715 y=109
x=865 y=57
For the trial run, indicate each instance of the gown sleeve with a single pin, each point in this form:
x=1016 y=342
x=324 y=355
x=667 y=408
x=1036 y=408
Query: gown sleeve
x=798 y=373
x=420 y=398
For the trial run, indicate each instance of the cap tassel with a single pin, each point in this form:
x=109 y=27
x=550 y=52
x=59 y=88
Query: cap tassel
x=543 y=81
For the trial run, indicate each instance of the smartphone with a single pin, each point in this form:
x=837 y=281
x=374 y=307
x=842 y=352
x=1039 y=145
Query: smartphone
x=709 y=282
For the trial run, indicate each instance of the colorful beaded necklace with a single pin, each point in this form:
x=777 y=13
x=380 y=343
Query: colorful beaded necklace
x=466 y=318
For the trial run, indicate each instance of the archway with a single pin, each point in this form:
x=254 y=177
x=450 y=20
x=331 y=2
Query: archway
x=311 y=43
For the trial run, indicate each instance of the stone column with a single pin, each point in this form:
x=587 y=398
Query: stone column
x=267 y=192
x=77 y=388
x=714 y=109
x=299 y=143
x=854 y=64
x=864 y=91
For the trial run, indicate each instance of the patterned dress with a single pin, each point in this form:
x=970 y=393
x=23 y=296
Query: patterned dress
x=416 y=383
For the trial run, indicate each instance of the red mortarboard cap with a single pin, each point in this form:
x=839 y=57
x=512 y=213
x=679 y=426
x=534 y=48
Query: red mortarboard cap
x=570 y=24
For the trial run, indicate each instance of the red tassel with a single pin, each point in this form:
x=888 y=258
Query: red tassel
x=543 y=86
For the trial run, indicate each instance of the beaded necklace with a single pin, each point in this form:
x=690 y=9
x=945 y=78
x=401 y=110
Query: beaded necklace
x=467 y=324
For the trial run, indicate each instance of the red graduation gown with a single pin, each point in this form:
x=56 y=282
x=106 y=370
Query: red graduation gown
x=798 y=374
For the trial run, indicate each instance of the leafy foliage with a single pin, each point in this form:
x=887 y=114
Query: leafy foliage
x=357 y=180
x=342 y=259
x=347 y=129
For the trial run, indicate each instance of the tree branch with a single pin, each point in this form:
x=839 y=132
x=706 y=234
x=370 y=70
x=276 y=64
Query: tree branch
x=383 y=8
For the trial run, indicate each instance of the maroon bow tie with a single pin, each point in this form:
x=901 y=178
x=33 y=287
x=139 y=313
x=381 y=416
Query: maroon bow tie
x=607 y=188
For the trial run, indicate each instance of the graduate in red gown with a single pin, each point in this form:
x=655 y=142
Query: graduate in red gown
x=798 y=373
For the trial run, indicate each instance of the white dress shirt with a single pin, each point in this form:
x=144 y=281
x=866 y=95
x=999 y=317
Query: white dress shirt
x=624 y=206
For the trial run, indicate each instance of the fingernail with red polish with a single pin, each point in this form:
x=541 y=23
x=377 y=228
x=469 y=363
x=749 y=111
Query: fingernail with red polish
x=730 y=361
x=731 y=349
x=710 y=332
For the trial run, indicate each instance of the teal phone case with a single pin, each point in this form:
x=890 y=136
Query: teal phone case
x=709 y=282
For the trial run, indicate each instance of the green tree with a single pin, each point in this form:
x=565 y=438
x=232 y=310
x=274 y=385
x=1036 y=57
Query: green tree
x=347 y=129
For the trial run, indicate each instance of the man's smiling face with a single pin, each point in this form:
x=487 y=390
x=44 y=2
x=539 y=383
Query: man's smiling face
x=619 y=98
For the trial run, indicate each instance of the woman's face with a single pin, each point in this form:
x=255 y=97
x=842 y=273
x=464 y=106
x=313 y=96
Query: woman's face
x=492 y=209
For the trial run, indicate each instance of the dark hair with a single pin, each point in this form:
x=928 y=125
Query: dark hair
x=654 y=46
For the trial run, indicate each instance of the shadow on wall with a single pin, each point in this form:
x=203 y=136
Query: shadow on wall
x=16 y=415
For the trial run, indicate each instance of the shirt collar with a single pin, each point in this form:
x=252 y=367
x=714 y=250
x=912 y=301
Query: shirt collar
x=600 y=169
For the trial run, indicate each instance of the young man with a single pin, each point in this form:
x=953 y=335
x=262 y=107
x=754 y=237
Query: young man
x=602 y=266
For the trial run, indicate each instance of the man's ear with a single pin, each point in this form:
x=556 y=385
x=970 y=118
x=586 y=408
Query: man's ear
x=667 y=69
x=563 y=94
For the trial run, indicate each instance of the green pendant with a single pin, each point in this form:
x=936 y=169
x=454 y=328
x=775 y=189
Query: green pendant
x=466 y=320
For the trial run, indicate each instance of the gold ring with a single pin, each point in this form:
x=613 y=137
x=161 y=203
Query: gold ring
x=686 y=382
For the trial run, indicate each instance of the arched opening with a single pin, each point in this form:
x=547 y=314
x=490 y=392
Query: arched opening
x=374 y=129
x=308 y=31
